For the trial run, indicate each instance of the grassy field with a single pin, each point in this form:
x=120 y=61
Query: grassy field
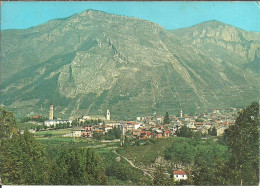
x=55 y=139
x=146 y=154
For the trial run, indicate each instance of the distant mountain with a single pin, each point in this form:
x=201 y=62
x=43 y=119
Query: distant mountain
x=92 y=61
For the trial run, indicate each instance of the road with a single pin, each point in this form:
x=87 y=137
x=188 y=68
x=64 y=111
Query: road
x=145 y=171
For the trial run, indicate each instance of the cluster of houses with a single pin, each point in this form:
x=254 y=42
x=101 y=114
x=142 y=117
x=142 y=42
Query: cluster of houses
x=148 y=127
x=219 y=119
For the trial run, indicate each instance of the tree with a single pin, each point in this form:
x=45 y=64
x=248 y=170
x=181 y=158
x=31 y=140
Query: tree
x=23 y=161
x=212 y=131
x=184 y=131
x=160 y=178
x=112 y=134
x=137 y=142
x=180 y=152
x=8 y=124
x=166 y=119
x=242 y=138
x=78 y=166
x=97 y=136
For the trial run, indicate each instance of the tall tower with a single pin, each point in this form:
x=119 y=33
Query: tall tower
x=181 y=113
x=51 y=112
x=108 y=115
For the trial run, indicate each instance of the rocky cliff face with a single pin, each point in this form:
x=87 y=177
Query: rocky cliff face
x=92 y=61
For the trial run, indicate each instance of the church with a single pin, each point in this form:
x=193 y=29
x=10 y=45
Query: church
x=54 y=122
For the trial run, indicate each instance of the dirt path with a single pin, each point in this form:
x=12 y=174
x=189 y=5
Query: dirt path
x=145 y=171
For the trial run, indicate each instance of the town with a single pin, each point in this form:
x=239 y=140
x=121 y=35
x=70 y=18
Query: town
x=213 y=122
x=98 y=127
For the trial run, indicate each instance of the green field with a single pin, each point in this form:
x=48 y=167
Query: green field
x=51 y=133
x=55 y=138
x=146 y=154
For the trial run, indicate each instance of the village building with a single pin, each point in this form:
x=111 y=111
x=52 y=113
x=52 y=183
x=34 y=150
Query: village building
x=179 y=175
x=37 y=117
x=191 y=126
x=158 y=133
x=86 y=131
x=107 y=128
x=31 y=130
x=145 y=134
x=132 y=125
x=166 y=133
x=136 y=133
x=99 y=131
x=221 y=130
x=54 y=122
x=76 y=134
x=159 y=119
x=93 y=117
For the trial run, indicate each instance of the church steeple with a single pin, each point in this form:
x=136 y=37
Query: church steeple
x=108 y=115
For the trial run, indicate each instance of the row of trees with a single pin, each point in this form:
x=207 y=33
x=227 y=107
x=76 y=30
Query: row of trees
x=39 y=119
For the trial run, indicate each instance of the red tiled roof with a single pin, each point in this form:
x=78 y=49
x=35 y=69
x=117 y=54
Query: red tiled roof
x=179 y=172
x=131 y=122
x=145 y=132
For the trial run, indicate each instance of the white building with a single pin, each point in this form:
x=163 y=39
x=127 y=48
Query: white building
x=54 y=122
x=92 y=117
x=76 y=134
x=180 y=175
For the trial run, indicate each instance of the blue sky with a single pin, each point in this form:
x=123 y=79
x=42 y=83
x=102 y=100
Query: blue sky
x=170 y=15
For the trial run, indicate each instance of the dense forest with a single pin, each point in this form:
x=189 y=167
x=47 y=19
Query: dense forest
x=231 y=160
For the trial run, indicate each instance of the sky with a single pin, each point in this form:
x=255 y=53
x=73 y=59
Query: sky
x=170 y=15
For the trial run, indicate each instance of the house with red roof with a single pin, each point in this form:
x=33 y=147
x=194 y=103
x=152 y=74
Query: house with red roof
x=36 y=117
x=145 y=135
x=99 y=131
x=180 y=175
x=166 y=133
x=158 y=133
x=86 y=131
x=136 y=133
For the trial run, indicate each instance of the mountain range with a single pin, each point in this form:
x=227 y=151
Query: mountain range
x=93 y=61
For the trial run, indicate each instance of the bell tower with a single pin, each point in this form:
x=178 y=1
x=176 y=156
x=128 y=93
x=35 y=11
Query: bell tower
x=108 y=115
x=51 y=112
